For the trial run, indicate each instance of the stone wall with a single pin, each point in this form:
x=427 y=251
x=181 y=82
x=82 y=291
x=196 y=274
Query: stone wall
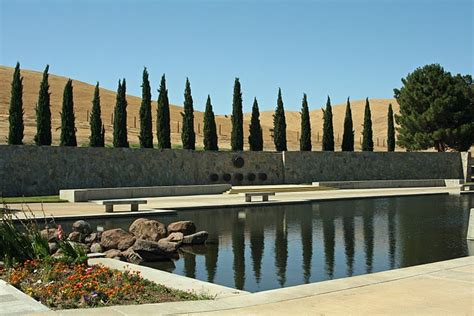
x=33 y=170
x=307 y=167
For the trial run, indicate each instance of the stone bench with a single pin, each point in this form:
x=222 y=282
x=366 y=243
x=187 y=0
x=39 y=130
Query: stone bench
x=98 y=194
x=109 y=204
x=264 y=195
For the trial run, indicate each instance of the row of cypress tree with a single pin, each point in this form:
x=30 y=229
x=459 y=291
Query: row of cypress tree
x=188 y=136
x=43 y=113
x=279 y=126
x=348 y=131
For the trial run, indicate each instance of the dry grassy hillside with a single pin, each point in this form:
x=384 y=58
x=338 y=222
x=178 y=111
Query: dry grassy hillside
x=83 y=93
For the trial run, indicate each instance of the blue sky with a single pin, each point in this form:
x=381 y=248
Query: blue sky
x=338 y=48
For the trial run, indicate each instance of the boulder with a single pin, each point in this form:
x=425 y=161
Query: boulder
x=77 y=245
x=168 y=246
x=82 y=227
x=96 y=247
x=92 y=238
x=131 y=256
x=53 y=247
x=76 y=237
x=114 y=254
x=116 y=239
x=175 y=237
x=196 y=239
x=185 y=227
x=148 y=229
x=51 y=234
x=154 y=251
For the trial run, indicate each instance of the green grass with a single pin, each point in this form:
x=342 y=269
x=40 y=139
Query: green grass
x=31 y=199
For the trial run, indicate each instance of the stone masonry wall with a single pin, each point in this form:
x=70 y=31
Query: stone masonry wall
x=307 y=167
x=33 y=170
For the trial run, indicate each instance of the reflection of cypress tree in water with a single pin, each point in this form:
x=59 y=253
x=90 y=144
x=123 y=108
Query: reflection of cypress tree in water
x=348 y=227
x=392 y=240
x=307 y=242
x=189 y=264
x=238 y=248
x=281 y=246
x=368 y=219
x=327 y=217
x=212 y=254
x=257 y=242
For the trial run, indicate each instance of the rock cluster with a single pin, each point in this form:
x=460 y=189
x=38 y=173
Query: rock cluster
x=145 y=240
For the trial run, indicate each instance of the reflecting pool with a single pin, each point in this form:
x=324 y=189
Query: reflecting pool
x=261 y=248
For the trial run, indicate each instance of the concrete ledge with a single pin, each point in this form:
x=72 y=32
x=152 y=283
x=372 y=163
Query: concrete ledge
x=117 y=214
x=170 y=280
x=379 y=184
x=84 y=195
x=436 y=288
x=15 y=302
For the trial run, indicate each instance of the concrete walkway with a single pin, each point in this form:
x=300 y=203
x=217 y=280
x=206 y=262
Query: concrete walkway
x=15 y=302
x=442 y=288
x=83 y=210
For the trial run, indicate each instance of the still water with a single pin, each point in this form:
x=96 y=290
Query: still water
x=261 y=248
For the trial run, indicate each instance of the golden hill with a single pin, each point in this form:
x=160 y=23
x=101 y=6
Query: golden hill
x=83 y=93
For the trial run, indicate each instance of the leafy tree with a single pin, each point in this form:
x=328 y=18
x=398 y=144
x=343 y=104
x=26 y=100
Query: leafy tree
x=279 y=125
x=43 y=135
x=237 y=134
x=188 y=137
x=163 y=129
x=367 y=138
x=255 y=129
x=436 y=110
x=390 y=130
x=305 y=138
x=348 y=135
x=328 y=129
x=120 y=116
x=210 y=131
x=68 y=128
x=15 y=118
x=97 y=137
x=146 y=127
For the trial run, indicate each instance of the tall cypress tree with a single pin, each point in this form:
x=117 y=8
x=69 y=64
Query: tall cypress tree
x=15 y=118
x=188 y=137
x=305 y=138
x=255 y=129
x=43 y=135
x=146 y=128
x=348 y=135
x=328 y=130
x=279 y=125
x=120 y=116
x=237 y=134
x=367 y=139
x=163 y=129
x=68 y=128
x=390 y=130
x=97 y=128
x=210 y=131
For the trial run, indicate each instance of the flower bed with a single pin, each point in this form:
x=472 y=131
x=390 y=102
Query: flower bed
x=60 y=285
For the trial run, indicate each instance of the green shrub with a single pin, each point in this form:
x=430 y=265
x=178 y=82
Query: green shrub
x=24 y=241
